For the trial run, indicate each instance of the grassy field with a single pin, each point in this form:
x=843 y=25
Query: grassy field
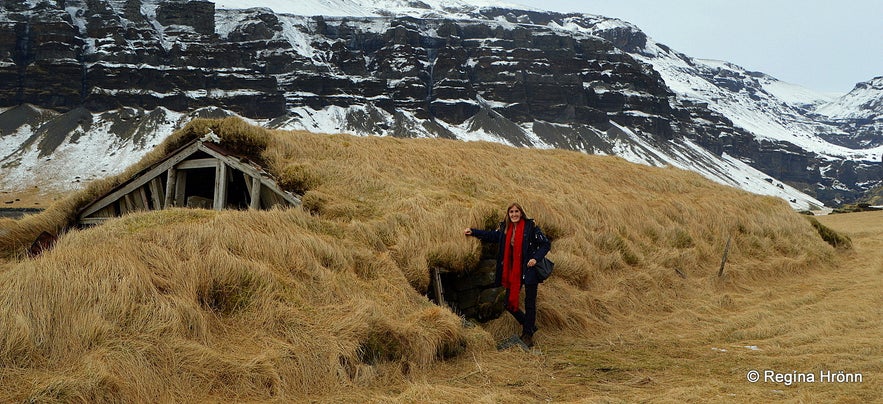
x=826 y=320
x=327 y=303
x=829 y=319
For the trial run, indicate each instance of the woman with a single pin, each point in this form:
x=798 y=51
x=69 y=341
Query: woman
x=521 y=245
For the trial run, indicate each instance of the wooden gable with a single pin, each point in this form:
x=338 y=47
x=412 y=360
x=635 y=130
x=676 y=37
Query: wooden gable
x=199 y=174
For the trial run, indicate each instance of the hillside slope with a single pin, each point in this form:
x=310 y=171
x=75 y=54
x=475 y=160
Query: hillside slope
x=193 y=305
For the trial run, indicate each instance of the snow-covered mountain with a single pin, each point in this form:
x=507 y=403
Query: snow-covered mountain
x=90 y=86
x=452 y=9
x=865 y=101
x=860 y=114
x=843 y=134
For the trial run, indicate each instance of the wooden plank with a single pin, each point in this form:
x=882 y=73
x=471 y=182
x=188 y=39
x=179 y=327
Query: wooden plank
x=198 y=163
x=266 y=181
x=136 y=201
x=248 y=181
x=93 y=220
x=139 y=181
x=255 y=193
x=180 y=188
x=220 y=185
x=141 y=199
x=265 y=195
x=439 y=293
x=269 y=199
x=156 y=193
x=171 y=180
x=130 y=203
x=286 y=196
x=108 y=211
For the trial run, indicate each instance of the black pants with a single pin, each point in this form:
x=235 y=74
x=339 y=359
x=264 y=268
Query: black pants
x=528 y=317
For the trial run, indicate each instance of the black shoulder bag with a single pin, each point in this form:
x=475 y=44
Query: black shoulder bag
x=544 y=268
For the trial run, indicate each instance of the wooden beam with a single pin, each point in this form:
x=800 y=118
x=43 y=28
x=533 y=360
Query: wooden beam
x=171 y=180
x=108 y=211
x=156 y=193
x=254 y=172
x=255 y=193
x=198 y=163
x=269 y=199
x=439 y=292
x=136 y=201
x=141 y=180
x=130 y=203
x=142 y=201
x=220 y=185
x=93 y=220
x=180 y=188
x=248 y=181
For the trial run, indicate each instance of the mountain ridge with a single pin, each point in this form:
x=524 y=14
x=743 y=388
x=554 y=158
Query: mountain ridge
x=497 y=76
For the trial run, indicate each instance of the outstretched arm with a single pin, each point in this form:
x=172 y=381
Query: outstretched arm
x=484 y=235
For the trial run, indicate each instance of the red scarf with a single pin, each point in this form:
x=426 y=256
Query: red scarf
x=512 y=262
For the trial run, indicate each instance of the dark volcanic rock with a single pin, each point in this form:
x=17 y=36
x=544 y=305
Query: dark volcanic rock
x=199 y=15
x=400 y=76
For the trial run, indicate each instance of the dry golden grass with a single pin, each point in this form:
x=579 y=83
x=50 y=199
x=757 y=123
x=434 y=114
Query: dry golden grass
x=327 y=303
x=35 y=198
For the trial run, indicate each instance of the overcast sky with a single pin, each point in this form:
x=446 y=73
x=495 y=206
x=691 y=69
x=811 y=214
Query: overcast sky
x=824 y=45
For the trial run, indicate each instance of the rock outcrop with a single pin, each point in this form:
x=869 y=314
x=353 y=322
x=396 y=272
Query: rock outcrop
x=513 y=76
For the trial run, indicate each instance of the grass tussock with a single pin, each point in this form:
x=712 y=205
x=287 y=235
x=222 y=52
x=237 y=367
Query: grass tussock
x=288 y=304
x=190 y=309
x=835 y=239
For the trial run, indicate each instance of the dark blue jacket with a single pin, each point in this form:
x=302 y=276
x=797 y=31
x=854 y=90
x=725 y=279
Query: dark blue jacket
x=534 y=245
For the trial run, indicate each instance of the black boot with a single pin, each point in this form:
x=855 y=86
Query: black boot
x=527 y=339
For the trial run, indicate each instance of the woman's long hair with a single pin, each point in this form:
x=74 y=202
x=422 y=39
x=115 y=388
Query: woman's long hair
x=506 y=221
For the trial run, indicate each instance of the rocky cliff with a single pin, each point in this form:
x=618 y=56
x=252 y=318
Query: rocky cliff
x=116 y=76
x=859 y=113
